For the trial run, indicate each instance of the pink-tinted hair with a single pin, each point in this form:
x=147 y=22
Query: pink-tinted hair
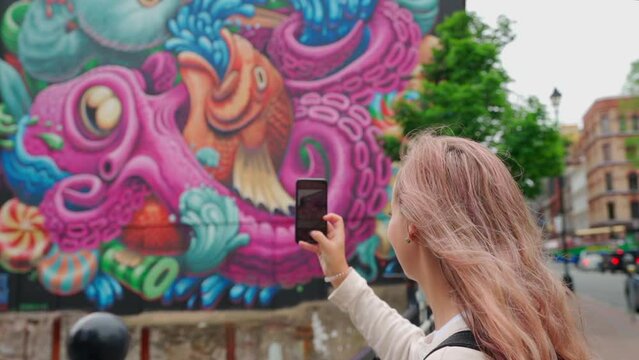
x=469 y=212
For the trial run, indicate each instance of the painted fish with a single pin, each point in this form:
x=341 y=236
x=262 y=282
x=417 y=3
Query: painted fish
x=245 y=116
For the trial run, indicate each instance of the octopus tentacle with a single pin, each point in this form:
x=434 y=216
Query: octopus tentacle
x=73 y=227
x=298 y=61
x=331 y=124
x=385 y=65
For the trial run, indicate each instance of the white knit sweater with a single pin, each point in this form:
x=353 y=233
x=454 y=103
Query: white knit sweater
x=389 y=333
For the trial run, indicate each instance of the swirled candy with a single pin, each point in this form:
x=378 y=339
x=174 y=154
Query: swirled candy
x=23 y=238
x=148 y=276
x=68 y=273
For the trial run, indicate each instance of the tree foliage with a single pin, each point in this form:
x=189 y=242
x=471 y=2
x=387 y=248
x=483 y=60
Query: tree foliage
x=464 y=90
x=631 y=86
x=532 y=146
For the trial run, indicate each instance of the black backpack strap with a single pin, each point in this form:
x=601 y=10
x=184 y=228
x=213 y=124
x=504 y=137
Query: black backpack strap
x=463 y=338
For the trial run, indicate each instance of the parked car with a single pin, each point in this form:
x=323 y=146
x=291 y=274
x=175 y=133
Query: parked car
x=613 y=261
x=632 y=298
x=631 y=288
x=590 y=260
x=605 y=258
x=631 y=257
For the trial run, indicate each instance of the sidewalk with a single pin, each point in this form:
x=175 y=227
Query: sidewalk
x=612 y=333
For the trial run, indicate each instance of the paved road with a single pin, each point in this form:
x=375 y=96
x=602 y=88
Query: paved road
x=603 y=287
x=611 y=331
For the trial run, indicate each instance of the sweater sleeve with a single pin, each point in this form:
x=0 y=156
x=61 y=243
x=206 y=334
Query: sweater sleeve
x=385 y=330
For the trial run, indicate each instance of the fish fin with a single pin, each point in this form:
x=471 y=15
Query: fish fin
x=256 y=180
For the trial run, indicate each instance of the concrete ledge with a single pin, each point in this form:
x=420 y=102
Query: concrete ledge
x=221 y=317
x=310 y=330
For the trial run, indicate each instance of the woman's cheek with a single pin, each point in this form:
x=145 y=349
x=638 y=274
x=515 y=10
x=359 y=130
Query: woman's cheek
x=392 y=233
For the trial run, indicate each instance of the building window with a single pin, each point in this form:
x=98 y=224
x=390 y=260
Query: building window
x=606 y=152
x=622 y=123
x=634 y=209
x=611 y=210
x=633 y=182
x=609 y=182
x=605 y=124
x=635 y=122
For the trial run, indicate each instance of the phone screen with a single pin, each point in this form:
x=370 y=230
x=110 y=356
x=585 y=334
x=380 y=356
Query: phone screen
x=310 y=208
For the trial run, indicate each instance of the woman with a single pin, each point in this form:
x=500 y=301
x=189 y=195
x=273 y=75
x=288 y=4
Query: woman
x=460 y=227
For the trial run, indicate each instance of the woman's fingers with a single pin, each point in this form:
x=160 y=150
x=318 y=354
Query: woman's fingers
x=335 y=224
x=319 y=237
x=334 y=219
x=309 y=247
x=331 y=227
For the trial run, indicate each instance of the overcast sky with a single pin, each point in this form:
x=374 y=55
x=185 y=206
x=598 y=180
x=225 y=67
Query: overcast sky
x=583 y=47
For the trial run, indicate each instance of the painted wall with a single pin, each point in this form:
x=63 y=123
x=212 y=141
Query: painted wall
x=149 y=148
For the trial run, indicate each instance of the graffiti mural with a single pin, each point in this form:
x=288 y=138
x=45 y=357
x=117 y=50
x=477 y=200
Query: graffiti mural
x=149 y=149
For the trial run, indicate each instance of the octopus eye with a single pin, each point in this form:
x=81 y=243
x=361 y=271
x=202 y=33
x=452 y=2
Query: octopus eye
x=100 y=110
x=149 y=3
x=260 y=78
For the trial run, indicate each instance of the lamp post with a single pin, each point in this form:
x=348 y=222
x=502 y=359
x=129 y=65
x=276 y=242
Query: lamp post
x=555 y=99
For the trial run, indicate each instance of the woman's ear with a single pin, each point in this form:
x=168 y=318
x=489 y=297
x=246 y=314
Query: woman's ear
x=412 y=231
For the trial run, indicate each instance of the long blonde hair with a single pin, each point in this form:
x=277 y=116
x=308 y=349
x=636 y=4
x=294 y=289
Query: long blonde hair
x=469 y=212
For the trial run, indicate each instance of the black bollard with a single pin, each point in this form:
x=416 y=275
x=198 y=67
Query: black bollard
x=98 y=336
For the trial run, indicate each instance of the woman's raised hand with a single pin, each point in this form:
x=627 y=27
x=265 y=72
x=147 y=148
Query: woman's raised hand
x=330 y=249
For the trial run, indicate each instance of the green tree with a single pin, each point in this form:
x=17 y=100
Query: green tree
x=631 y=86
x=629 y=106
x=465 y=92
x=533 y=148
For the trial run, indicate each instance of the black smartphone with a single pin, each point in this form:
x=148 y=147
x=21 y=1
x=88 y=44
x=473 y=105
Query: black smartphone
x=310 y=208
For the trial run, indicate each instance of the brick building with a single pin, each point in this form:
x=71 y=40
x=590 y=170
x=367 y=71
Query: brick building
x=610 y=147
x=574 y=193
x=575 y=190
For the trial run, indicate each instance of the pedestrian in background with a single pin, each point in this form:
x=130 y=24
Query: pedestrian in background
x=460 y=228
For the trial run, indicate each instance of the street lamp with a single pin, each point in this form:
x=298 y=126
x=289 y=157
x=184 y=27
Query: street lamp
x=555 y=99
